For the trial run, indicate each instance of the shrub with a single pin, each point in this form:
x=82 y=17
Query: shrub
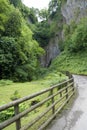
x=76 y=40
x=4 y=115
x=8 y=54
x=5 y=82
x=15 y=96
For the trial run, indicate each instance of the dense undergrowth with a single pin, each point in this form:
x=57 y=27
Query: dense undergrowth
x=76 y=63
x=74 y=56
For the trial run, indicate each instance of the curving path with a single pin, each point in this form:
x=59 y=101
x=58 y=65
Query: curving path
x=76 y=117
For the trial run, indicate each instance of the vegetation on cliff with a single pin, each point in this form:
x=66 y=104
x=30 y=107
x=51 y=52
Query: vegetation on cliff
x=19 y=52
x=74 y=57
x=22 y=38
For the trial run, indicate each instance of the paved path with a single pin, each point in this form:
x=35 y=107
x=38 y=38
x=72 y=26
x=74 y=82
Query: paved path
x=76 y=117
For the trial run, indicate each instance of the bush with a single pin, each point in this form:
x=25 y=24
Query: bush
x=4 y=115
x=15 y=96
x=5 y=82
x=8 y=54
x=42 y=33
x=77 y=38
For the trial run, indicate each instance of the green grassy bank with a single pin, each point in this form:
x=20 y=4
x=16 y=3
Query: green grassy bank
x=74 y=62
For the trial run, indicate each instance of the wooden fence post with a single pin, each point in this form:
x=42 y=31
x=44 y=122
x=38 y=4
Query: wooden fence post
x=73 y=84
x=18 y=123
x=60 y=92
x=53 y=108
x=66 y=92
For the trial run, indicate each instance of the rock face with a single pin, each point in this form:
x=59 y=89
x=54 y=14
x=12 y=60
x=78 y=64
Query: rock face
x=74 y=10
x=52 y=50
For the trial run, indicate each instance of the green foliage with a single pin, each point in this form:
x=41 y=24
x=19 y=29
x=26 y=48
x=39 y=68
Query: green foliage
x=46 y=79
x=19 y=53
x=27 y=88
x=13 y=25
x=6 y=114
x=73 y=58
x=25 y=72
x=42 y=33
x=32 y=15
x=5 y=10
x=15 y=96
x=29 y=52
x=54 y=8
x=76 y=63
x=47 y=28
x=64 y=1
x=29 y=14
x=61 y=45
x=79 y=37
x=76 y=36
x=8 y=54
x=53 y=77
x=25 y=11
x=5 y=82
x=43 y=14
x=16 y=3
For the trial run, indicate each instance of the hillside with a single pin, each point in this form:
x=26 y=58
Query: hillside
x=69 y=37
x=73 y=58
x=75 y=63
x=64 y=29
x=27 y=45
x=19 y=52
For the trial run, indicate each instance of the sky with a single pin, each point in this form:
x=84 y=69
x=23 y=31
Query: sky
x=40 y=4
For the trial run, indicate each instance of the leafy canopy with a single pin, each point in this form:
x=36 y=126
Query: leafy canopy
x=76 y=36
x=19 y=52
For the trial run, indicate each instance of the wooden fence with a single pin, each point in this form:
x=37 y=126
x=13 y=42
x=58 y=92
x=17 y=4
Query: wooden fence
x=58 y=95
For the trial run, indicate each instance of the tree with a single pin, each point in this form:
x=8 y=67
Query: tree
x=13 y=25
x=77 y=41
x=42 y=33
x=8 y=54
x=54 y=5
x=33 y=15
x=5 y=10
x=29 y=52
x=19 y=53
x=43 y=14
x=16 y=3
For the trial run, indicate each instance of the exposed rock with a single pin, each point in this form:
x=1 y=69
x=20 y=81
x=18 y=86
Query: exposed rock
x=52 y=50
x=74 y=10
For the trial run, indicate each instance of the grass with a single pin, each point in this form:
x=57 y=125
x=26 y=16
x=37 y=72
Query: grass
x=34 y=114
x=7 y=88
x=76 y=63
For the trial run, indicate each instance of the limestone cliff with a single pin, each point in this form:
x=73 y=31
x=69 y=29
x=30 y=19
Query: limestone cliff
x=51 y=51
x=74 y=10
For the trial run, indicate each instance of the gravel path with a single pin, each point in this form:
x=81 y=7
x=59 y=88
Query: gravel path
x=76 y=117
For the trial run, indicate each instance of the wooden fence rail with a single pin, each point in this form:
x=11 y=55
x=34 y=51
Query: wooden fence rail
x=56 y=96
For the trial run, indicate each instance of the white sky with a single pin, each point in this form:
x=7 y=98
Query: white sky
x=40 y=4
